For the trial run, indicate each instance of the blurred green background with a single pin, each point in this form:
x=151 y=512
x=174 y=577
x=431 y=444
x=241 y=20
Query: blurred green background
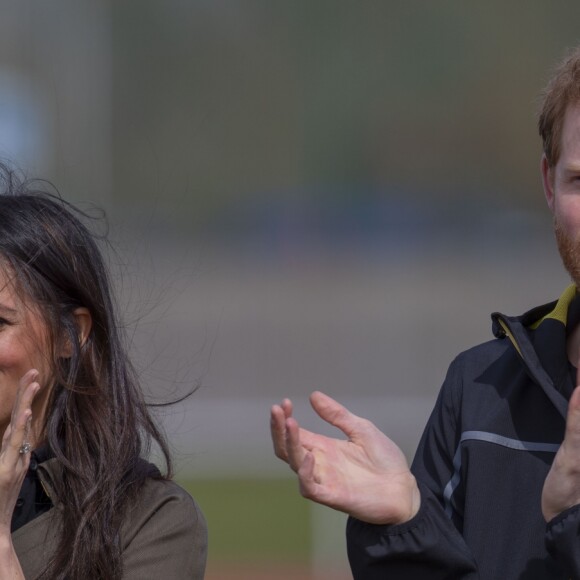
x=302 y=195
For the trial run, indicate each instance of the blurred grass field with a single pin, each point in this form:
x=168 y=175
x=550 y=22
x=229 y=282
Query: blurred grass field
x=257 y=527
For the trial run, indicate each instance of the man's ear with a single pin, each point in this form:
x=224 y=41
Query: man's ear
x=83 y=323
x=548 y=181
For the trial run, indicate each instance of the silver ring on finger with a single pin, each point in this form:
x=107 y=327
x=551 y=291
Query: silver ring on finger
x=25 y=448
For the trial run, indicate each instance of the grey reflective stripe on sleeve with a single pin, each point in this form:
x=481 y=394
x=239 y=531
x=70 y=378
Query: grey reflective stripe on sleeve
x=489 y=438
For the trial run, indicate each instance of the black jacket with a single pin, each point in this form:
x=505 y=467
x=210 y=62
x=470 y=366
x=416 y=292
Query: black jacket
x=481 y=465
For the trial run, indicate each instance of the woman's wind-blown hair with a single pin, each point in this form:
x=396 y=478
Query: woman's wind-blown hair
x=97 y=424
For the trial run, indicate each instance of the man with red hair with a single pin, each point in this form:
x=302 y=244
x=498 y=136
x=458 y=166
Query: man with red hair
x=494 y=489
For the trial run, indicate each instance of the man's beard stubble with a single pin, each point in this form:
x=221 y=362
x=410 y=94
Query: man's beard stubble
x=569 y=252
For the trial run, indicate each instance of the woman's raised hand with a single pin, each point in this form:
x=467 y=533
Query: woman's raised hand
x=14 y=461
x=14 y=453
x=366 y=476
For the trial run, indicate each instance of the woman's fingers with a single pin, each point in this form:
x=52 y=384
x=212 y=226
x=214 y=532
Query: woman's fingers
x=25 y=381
x=18 y=432
x=14 y=454
x=29 y=386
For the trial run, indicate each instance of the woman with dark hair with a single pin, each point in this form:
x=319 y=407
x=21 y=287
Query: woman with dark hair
x=77 y=498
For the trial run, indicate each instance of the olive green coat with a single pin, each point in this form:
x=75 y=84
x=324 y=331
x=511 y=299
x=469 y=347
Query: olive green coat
x=164 y=534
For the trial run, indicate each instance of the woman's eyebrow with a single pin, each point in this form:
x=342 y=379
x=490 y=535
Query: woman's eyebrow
x=7 y=310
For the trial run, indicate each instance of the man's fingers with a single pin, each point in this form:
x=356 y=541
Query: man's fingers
x=573 y=419
x=287 y=407
x=278 y=431
x=294 y=447
x=335 y=414
x=279 y=414
x=308 y=485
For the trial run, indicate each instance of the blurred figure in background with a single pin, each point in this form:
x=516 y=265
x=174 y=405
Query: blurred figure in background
x=494 y=489
x=78 y=498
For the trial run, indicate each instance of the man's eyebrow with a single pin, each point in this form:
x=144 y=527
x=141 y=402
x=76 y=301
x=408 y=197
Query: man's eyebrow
x=572 y=165
x=572 y=169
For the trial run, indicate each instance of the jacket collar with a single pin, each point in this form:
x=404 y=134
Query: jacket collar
x=539 y=336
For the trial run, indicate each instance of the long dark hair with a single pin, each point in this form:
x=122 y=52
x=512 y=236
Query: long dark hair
x=97 y=423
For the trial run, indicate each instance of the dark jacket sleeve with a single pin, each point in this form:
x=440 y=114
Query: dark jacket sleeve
x=430 y=545
x=563 y=540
